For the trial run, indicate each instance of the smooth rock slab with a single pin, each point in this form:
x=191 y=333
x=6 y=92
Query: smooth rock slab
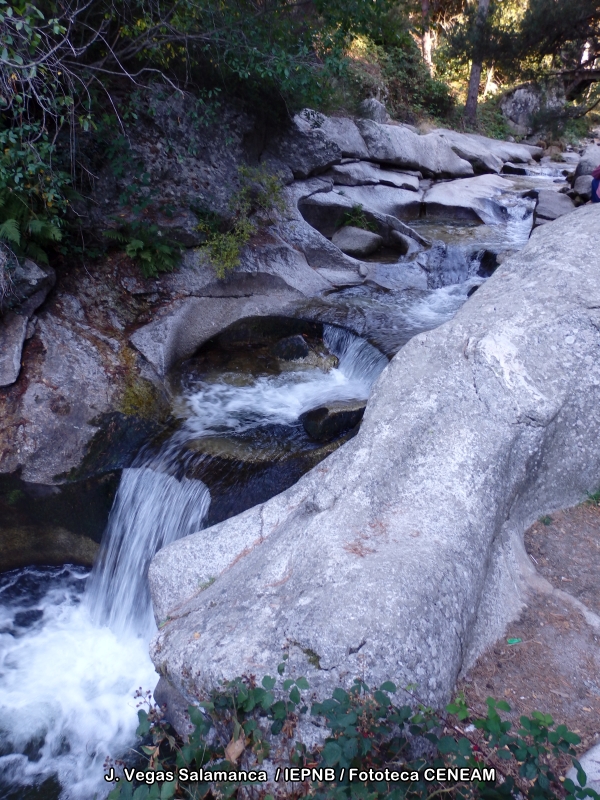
x=485 y=154
x=470 y=198
x=356 y=241
x=396 y=558
x=399 y=146
x=362 y=173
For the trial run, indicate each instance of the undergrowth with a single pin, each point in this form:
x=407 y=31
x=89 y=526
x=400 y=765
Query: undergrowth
x=375 y=747
x=253 y=205
x=148 y=246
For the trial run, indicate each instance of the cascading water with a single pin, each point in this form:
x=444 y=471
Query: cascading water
x=72 y=655
x=73 y=646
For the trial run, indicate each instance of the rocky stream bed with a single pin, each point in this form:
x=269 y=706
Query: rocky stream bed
x=194 y=407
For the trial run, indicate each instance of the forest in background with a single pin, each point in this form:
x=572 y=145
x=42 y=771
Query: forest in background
x=87 y=68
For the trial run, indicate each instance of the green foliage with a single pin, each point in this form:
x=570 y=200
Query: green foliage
x=32 y=193
x=258 y=197
x=148 y=246
x=391 y=63
x=242 y=724
x=546 y=520
x=357 y=218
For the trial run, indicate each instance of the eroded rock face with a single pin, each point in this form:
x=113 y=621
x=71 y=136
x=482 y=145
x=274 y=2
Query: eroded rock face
x=395 y=559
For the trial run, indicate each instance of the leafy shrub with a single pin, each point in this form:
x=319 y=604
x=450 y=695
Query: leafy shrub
x=242 y=724
x=32 y=193
x=147 y=245
x=259 y=195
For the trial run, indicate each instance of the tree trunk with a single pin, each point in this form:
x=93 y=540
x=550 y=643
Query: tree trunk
x=476 y=65
x=426 y=40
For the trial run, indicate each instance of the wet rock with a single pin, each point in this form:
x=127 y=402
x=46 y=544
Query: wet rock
x=589 y=161
x=470 y=198
x=374 y=110
x=118 y=440
x=404 y=244
x=552 y=205
x=189 y=323
x=291 y=348
x=513 y=169
x=44 y=545
x=326 y=422
x=399 y=146
x=356 y=241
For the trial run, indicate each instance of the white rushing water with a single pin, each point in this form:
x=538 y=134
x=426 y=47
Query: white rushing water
x=71 y=660
x=221 y=407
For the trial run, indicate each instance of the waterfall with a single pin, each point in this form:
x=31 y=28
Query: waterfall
x=71 y=657
x=150 y=510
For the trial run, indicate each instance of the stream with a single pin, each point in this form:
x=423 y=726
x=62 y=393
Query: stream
x=74 y=643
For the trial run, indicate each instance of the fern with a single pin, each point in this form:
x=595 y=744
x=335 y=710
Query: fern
x=10 y=232
x=146 y=245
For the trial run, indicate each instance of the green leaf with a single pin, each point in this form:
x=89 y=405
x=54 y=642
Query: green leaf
x=388 y=686
x=9 y=231
x=302 y=683
x=144 y=723
x=168 y=790
x=295 y=695
x=331 y=754
x=268 y=682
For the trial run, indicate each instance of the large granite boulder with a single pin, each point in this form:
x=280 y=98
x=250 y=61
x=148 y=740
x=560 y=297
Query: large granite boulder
x=478 y=198
x=485 y=154
x=589 y=161
x=398 y=557
x=521 y=105
x=398 y=146
x=327 y=211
